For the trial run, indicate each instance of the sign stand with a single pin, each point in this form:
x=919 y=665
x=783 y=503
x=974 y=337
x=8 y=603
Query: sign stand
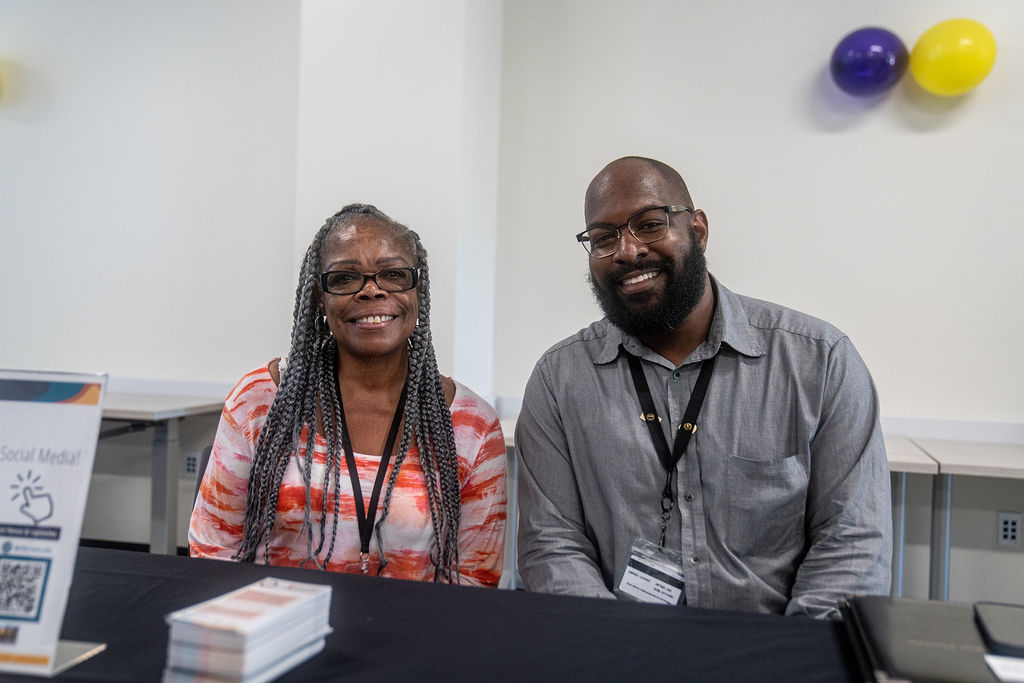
x=49 y=426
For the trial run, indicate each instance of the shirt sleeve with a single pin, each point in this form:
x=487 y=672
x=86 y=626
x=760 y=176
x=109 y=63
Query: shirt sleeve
x=849 y=514
x=555 y=553
x=218 y=518
x=483 y=498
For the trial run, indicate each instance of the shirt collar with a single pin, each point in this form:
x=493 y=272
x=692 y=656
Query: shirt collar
x=729 y=325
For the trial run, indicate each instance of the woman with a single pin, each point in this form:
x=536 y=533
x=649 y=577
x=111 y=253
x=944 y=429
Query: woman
x=361 y=372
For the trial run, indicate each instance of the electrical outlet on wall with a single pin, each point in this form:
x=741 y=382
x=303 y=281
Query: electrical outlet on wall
x=191 y=465
x=1008 y=529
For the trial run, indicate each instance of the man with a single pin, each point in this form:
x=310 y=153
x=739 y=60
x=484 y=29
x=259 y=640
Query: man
x=778 y=503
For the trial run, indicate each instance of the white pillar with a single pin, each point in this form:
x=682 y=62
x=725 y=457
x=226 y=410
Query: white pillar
x=399 y=107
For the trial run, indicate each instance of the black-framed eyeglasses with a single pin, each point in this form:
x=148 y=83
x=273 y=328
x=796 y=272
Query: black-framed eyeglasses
x=352 y=282
x=646 y=225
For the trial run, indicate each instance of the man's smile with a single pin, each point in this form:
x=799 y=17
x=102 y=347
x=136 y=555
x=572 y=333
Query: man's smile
x=639 y=282
x=640 y=278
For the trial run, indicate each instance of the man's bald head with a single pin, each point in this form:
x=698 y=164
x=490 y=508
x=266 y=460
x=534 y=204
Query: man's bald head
x=640 y=175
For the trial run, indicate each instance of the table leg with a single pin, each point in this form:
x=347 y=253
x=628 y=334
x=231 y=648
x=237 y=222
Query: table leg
x=942 y=497
x=899 y=525
x=163 y=529
x=510 y=578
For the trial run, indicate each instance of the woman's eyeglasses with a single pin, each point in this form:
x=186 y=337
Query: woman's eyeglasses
x=352 y=282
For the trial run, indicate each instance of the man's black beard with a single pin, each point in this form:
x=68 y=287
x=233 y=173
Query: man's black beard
x=645 y=317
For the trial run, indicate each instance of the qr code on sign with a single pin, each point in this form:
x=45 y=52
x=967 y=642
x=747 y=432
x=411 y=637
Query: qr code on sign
x=22 y=586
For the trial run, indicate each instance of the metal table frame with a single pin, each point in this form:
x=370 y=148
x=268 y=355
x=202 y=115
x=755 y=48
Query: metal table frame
x=162 y=413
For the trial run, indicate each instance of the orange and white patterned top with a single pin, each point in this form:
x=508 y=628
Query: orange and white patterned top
x=218 y=518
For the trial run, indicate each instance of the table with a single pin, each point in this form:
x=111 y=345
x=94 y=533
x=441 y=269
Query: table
x=388 y=629
x=510 y=570
x=162 y=413
x=1004 y=461
x=919 y=640
x=904 y=457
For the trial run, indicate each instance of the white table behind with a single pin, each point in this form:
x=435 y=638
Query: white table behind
x=162 y=412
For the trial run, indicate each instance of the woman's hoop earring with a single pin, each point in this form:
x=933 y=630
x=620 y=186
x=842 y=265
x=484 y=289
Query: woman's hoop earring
x=320 y=325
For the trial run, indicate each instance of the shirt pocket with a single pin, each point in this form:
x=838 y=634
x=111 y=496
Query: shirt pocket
x=767 y=505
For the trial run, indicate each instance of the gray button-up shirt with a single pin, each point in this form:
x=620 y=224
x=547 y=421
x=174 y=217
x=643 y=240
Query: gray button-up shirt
x=782 y=502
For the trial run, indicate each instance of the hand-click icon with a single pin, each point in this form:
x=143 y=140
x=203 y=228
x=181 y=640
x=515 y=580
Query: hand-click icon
x=38 y=507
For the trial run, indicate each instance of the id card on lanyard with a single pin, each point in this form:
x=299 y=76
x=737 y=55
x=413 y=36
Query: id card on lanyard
x=653 y=572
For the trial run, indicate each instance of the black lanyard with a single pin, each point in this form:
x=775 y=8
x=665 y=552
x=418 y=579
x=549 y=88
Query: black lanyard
x=683 y=434
x=366 y=518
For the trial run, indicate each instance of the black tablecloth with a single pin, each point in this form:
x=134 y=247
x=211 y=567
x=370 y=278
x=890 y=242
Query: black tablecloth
x=386 y=629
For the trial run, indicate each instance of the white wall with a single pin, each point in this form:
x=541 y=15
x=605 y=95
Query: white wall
x=147 y=175
x=897 y=219
x=164 y=167
x=477 y=215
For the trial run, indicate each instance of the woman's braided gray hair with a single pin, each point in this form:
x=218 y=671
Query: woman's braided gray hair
x=309 y=384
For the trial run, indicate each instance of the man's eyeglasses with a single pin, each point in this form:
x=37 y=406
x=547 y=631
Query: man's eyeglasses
x=352 y=282
x=646 y=225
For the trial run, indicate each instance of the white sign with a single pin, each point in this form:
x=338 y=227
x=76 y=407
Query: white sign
x=49 y=426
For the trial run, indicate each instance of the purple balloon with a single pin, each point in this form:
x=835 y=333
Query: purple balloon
x=869 y=61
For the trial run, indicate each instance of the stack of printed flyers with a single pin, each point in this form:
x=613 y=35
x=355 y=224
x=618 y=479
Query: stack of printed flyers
x=252 y=634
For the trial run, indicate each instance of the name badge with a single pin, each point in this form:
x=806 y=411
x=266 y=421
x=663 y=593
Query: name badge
x=653 y=575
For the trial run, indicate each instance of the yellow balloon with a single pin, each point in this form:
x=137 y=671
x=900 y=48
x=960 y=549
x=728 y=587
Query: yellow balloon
x=953 y=56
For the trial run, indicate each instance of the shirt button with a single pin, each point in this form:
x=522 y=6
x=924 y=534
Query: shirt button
x=694 y=560
x=688 y=496
x=676 y=375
